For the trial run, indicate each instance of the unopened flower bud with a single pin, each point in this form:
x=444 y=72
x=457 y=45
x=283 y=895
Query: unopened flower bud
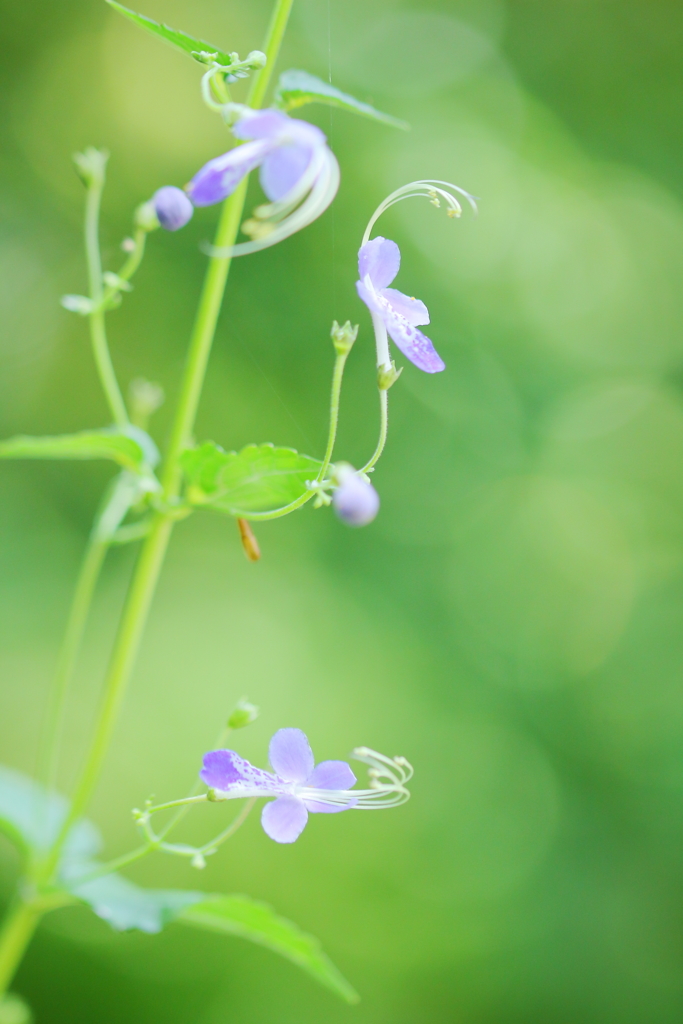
x=172 y=207
x=355 y=501
x=244 y=714
x=145 y=217
x=343 y=337
x=146 y=397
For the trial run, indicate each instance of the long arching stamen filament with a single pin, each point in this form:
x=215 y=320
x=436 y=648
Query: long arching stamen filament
x=428 y=188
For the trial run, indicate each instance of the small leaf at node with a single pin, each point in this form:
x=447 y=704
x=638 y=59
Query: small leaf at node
x=296 y=88
x=258 y=478
x=134 y=450
x=200 y=50
x=250 y=919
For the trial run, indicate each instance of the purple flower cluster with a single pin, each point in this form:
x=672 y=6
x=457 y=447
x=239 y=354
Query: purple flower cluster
x=299 y=175
x=287 y=150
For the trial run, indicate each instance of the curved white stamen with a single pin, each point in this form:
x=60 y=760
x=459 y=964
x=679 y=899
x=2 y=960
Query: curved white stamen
x=319 y=198
x=429 y=188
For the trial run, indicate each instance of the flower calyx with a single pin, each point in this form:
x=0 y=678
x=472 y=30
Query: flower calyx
x=388 y=375
x=343 y=337
x=91 y=166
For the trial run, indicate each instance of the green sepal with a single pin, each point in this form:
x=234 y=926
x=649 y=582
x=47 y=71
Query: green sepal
x=257 y=922
x=297 y=88
x=258 y=478
x=202 y=51
x=132 y=449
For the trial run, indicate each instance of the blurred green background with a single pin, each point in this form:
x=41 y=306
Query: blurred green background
x=512 y=620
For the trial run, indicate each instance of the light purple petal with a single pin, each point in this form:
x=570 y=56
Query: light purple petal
x=367 y=293
x=415 y=345
x=283 y=168
x=412 y=310
x=332 y=775
x=284 y=819
x=262 y=124
x=380 y=259
x=290 y=755
x=227 y=771
x=221 y=176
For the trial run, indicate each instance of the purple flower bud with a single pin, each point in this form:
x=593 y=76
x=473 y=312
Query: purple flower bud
x=355 y=501
x=172 y=207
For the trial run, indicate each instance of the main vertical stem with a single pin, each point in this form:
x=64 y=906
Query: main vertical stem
x=15 y=935
x=147 y=571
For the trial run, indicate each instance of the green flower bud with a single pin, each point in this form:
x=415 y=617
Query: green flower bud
x=91 y=165
x=145 y=217
x=244 y=714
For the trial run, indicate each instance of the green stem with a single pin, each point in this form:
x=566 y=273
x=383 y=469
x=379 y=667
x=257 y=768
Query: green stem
x=118 y=863
x=91 y=565
x=202 y=337
x=274 y=35
x=277 y=513
x=98 y=333
x=17 y=931
x=384 y=423
x=337 y=376
x=154 y=549
x=182 y=811
x=127 y=644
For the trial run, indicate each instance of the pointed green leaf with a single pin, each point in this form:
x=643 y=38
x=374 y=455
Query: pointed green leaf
x=196 y=48
x=296 y=88
x=31 y=817
x=249 y=919
x=258 y=478
x=133 y=449
x=124 y=905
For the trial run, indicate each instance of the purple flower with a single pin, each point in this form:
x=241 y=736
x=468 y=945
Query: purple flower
x=393 y=312
x=287 y=150
x=355 y=501
x=172 y=207
x=300 y=786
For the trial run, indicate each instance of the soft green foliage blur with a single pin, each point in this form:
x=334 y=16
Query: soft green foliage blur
x=511 y=622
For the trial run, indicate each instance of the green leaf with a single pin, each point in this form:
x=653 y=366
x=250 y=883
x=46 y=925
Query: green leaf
x=31 y=818
x=249 y=919
x=124 y=905
x=197 y=48
x=258 y=478
x=296 y=88
x=133 y=449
